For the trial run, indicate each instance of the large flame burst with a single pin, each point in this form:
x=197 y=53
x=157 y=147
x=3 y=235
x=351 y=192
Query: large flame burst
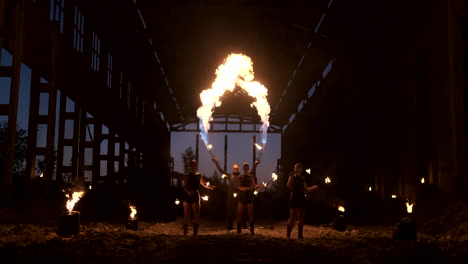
x=237 y=70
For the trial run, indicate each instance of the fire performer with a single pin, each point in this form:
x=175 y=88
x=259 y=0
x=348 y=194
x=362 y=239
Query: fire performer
x=191 y=200
x=297 y=184
x=247 y=186
x=232 y=190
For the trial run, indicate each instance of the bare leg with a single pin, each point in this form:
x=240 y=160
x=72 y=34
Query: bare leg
x=293 y=212
x=186 y=216
x=300 y=227
x=196 y=217
x=240 y=216
x=250 y=213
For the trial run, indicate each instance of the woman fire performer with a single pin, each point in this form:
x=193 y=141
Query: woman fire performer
x=247 y=186
x=191 y=200
x=297 y=185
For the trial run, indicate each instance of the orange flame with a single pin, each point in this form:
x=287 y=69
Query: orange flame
x=409 y=207
x=274 y=176
x=133 y=212
x=73 y=200
x=236 y=70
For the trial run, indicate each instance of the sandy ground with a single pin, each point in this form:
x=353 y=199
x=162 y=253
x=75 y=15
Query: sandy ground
x=165 y=243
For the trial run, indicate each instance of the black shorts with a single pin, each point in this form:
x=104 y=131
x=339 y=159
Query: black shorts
x=194 y=198
x=297 y=201
x=245 y=197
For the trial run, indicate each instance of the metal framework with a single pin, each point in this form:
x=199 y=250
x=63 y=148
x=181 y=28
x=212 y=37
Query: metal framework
x=86 y=105
x=225 y=124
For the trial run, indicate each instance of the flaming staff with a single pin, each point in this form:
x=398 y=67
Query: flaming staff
x=274 y=177
x=209 y=147
x=260 y=150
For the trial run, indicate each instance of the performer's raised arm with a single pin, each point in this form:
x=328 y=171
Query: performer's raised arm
x=218 y=166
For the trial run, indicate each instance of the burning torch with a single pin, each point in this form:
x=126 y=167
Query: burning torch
x=209 y=147
x=260 y=149
x=274 y=177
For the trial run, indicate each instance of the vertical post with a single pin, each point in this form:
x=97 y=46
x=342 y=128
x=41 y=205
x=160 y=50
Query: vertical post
x=225 y=151
x=17 y=48
x=197 y=139
x=254 y=152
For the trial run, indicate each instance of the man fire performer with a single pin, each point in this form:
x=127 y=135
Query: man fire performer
x=297 y=185
x=247 y=186
x=232 y=190
x=191 y=199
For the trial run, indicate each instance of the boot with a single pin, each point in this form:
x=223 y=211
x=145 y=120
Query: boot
x=289 y=230
x=251 y=224
x=300 y=228
x=239 y=226
x=195 y=229
x=185 y=229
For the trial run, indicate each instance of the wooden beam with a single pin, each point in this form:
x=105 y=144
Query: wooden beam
x=4 y=109
x=6 y=71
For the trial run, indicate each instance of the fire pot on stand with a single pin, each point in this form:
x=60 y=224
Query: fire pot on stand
x=69 y=222
x=132 y=223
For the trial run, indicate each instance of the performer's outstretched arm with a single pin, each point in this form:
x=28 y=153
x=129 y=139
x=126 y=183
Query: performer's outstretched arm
x=218 y=166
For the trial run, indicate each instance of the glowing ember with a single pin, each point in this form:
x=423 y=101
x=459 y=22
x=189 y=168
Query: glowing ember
x=234 y=194
x=409 y=207
x=255 y=192
x=393 y=196
x=327 y=180
x=209 y=147
x=258 y=146
x=90 y=187
x=308 y=171
x=422 y=180
x=237 y=70
x=224 y=176
x=133 y=212
x=42 y=175
x=73 y=200
x=177 y=202
x=341 y=208
x=370 y=188
x=205 y=198
x=207 y=183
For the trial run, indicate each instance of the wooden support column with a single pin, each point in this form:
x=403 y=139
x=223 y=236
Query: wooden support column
x=225 y=151
x=32 y=125
x=15 y=46
x=97 y=153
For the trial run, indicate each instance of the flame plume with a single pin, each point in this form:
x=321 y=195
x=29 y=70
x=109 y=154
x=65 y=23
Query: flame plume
x=73 y=200
x=236 y=70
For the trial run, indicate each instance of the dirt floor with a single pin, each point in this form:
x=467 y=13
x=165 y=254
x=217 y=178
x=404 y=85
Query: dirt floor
x=165 y=243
